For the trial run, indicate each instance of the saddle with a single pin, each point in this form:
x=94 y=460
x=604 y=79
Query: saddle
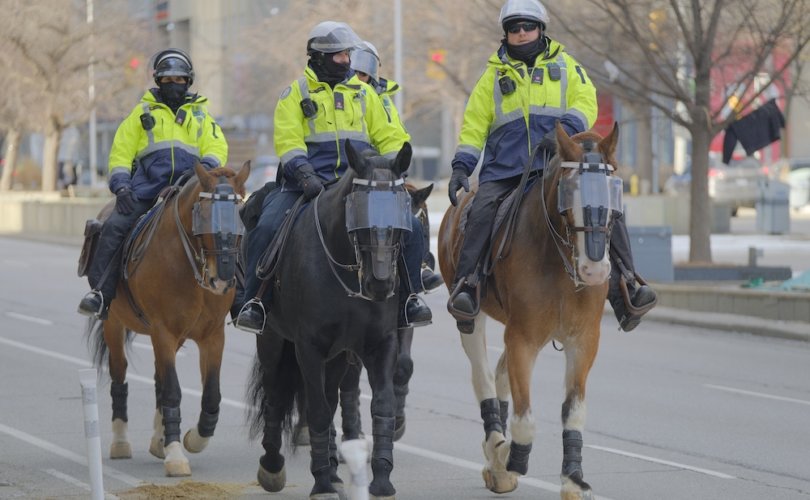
x=92 y=232
x=268 y=262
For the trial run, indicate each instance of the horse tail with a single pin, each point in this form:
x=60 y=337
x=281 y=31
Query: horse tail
x=94 y=336
x=288 y=388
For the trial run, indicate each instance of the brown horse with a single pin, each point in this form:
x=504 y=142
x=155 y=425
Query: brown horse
x=549 y=286
x=179 y=286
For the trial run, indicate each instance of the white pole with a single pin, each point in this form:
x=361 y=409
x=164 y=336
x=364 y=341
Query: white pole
x=87 y=379
x=355 y=453
x=91 y=96
x=398 y=52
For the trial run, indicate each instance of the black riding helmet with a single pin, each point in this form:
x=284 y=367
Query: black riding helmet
x=172 y=62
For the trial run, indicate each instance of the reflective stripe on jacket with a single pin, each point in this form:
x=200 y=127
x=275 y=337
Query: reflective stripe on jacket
x=172 y=146
x=345 y=113
x=507 y=126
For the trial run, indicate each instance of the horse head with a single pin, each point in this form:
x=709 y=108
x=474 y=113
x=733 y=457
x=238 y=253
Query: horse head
x=588 y=197
x=378 y=210
x=217 y=226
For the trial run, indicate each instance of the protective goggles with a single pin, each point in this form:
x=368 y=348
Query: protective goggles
x=591 y=188
x=378 y=209
x=217 y=214
x=528 y=27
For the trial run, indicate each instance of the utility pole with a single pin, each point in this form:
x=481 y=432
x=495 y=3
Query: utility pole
x=91 y=96
x=398 y=51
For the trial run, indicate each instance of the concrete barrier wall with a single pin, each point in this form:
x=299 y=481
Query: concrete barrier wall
x=47 y=215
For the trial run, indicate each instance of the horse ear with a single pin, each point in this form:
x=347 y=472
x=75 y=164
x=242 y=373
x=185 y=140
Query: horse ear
x=403 y=160
x=608 y=144
x=566 y=148
x=206 y=180
x=241 y=177
x=354 y=159
x=419 y=196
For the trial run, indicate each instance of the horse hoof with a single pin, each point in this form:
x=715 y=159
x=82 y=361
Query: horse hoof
x=193 y=442
x=499 y=481
x=496 y=451
x=399 y=429
x=571 y=490
x=175 y=463
x=272 y=481
x=120 y=449
x=156 y=448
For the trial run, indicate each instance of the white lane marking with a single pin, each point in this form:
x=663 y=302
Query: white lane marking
x=467 y=464
x=757 y=394
x=32 y=319
x=75 y=482
x=659 y=461
x=130 y=376
x=67 y=454
x=148 y=347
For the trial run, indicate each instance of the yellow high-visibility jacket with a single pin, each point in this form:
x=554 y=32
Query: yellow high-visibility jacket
x=507 y=125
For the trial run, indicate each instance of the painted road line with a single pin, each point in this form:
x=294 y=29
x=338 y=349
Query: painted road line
x=757 y=394
x=31 y=319
x=75 y=482
x=67 y=454
x=659 y=461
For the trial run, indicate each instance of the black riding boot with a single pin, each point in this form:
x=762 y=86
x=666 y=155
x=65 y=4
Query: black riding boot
x=628 y=294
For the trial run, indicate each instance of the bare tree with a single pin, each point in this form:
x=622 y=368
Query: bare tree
x=670 y=54
x=52 y=46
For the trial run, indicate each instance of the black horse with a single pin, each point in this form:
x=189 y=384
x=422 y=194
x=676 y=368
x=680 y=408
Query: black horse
x=335 y=291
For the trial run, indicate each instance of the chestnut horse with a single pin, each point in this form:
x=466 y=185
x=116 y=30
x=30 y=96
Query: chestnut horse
x=179 y=286
x=549 y=286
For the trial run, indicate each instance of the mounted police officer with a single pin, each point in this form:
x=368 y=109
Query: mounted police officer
x=313 y=117
x=530 y=83
x=164 y=136
x=365 y=61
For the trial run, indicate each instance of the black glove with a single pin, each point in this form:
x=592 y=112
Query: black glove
x=548 y=143
x=308 y=180
x=457 y=181
x=124 y=201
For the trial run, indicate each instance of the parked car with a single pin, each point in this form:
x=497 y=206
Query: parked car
x=798 y=177
x=736 y=184
x=263 y=170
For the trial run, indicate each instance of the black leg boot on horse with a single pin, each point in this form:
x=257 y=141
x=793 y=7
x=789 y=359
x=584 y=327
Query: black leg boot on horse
x=629 y=295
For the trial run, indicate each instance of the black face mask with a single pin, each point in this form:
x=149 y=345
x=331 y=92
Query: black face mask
x=173 y=94
x=526 y=52
x=327 y=70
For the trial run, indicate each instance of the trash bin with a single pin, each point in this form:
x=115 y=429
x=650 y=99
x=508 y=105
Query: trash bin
x=773 y=210
x=799 y=188
x=652 y=252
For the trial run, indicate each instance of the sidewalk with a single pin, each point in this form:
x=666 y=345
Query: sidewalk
x=790 y=249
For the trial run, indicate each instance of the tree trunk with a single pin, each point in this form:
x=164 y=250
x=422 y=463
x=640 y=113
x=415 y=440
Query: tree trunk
x=10 y=162
x=49 y=159
x=644 y=157
x=700 y=248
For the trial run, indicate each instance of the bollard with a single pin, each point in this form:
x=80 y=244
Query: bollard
x=355 y=453
x=87 y=379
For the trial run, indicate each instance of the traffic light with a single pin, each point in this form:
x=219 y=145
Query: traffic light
x=434 y=68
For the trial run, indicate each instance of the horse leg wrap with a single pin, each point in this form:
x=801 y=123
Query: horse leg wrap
x=504 y=413
x=272 y=460
x=119 y=393
x=207 y=423
x=519 y=458
x=382 y=428
x=171 y=424
x=491 y=414
x=350 y=410
x=572 y=455
x=319 y=451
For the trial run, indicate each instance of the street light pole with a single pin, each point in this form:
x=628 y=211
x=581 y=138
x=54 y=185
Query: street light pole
x=91 y=96
x=398 y=51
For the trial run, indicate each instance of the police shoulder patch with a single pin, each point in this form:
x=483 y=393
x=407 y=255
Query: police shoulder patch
x=285 y=92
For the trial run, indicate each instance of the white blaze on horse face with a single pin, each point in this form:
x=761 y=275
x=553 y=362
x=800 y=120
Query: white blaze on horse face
x=591 y=272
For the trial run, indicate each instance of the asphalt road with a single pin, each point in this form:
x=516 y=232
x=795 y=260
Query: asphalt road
x=673 y=412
